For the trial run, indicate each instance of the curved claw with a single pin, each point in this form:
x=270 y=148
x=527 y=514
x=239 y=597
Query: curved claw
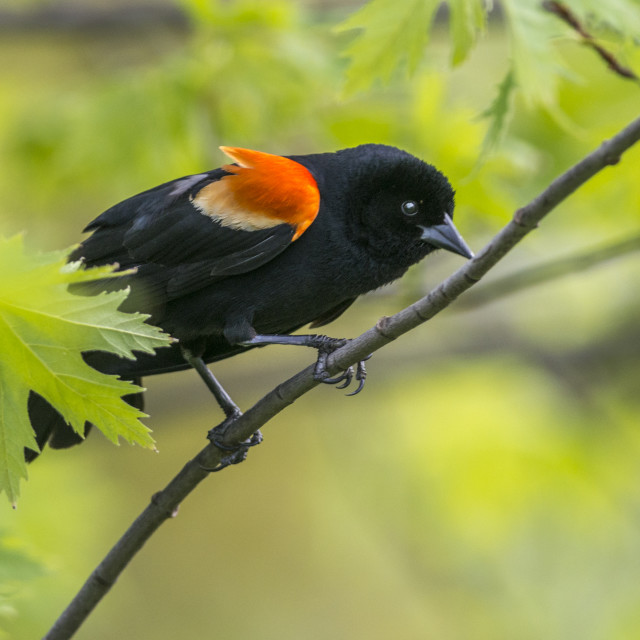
x=340 y=378
x=348 y=377
x=359 y=389
x=361 y=376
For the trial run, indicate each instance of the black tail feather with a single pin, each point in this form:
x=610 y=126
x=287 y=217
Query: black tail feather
x=50 y=427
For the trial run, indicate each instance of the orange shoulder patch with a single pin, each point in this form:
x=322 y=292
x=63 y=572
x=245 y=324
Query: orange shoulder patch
x=263 y=190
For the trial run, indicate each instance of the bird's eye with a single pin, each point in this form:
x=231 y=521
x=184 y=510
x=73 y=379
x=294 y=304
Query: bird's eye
x=409 y=208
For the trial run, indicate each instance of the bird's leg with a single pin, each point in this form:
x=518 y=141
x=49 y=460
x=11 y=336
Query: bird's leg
x=229 y=407
x=236 y=453
x=325 y=347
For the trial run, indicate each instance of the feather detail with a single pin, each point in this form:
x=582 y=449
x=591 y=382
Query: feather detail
x=261 y=191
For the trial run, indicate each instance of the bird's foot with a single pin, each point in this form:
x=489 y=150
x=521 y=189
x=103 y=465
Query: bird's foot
x=325 y=348
x=235 y=453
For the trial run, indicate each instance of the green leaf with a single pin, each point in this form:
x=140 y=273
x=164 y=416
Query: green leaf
x=392 y=31
x=468 y=20
x=535 y=62
x=498 y=114
x=43 y=331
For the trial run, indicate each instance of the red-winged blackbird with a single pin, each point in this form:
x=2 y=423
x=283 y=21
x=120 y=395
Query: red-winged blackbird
x=244 y=255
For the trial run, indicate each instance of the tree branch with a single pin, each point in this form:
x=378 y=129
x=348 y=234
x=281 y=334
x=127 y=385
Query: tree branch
x=164 y=504
x=566 y=15
x=532 y=276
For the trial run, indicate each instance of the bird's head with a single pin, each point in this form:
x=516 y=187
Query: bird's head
x=399 y=203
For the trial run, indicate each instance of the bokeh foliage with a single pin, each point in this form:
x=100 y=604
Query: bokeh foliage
x=485 y=485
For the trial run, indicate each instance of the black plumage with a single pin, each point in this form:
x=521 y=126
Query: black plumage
x=216 y=284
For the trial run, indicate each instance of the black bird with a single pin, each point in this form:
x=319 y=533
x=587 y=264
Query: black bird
x=244 y=255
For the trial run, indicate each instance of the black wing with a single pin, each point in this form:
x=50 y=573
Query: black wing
x=175 y=248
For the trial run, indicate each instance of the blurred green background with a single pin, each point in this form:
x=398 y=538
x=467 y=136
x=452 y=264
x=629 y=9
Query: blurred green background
x=486 y=484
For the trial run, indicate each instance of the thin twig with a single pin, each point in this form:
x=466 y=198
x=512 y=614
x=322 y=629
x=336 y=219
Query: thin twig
x=165 y=503
x=566 y=15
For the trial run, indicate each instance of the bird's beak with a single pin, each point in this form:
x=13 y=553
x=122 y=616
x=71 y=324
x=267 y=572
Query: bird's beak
x=446 y=236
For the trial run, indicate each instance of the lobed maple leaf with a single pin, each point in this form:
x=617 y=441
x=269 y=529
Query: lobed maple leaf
x=44 y=328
